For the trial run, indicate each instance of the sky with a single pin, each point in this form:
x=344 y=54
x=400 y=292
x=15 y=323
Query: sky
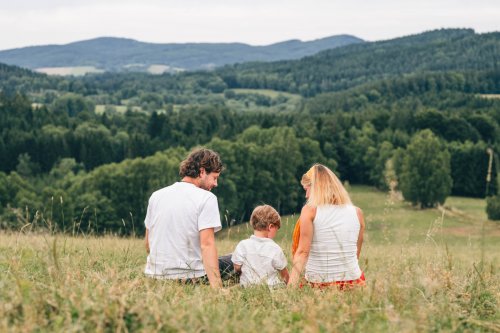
x=256 y=22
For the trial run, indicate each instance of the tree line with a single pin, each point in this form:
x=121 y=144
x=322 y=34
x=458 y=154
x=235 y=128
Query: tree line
x=82 y=170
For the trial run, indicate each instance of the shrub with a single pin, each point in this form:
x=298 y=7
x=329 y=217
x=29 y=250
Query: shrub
x=493 y=207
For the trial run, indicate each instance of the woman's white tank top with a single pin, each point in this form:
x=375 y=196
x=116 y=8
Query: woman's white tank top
x=334 y=245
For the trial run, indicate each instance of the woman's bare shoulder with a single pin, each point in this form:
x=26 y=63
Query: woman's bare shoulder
x=308 y=210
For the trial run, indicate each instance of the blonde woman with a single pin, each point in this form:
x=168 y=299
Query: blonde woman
x=329 y=235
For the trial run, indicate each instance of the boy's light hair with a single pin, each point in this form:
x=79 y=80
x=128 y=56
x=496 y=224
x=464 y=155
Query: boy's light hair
x=263 y=216
x=325 y=187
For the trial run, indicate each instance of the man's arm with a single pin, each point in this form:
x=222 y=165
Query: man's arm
x=361 y=230
x=147 y=240
x=209 y=257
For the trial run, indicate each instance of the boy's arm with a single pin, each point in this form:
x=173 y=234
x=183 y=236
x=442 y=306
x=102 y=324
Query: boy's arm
x=280 y=263
x=284 y=275
x=237 y=259
x=361 y=230
x=209 y=257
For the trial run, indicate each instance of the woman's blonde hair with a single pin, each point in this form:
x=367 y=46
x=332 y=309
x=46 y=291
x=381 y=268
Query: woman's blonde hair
x=325 y=187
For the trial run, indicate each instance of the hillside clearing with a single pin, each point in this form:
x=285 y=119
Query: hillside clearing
x=65 y=71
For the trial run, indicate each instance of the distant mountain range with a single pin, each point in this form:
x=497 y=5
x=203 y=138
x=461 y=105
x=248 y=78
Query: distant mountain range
x=443 y=50
x=122 y=55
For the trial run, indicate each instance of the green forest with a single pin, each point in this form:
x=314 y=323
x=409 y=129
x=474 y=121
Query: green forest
x=417 y=114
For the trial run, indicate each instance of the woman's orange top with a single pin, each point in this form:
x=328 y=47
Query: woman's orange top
x=295 y=237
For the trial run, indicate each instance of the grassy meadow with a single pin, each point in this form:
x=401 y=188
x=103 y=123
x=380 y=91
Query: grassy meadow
x=266 y=92
x=65 y=71
x=291 y=103
x=101 y=108
x=427 y=271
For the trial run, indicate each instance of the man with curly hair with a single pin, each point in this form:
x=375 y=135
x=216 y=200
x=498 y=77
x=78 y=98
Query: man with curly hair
x=181 y=222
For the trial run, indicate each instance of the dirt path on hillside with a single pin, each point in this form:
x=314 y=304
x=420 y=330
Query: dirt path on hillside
x=473 y=226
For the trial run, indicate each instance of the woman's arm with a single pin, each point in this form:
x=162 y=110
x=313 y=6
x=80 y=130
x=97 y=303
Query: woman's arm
x=306 y=233
x=147 y=240
x=361 y=229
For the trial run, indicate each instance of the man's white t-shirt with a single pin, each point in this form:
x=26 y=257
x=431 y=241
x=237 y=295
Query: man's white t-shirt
x=260 y=260
x=176 y=215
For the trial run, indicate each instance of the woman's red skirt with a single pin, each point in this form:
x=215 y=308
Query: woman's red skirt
x=341 y=285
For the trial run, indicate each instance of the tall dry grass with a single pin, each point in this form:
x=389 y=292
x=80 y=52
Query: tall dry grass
x=59 y=283
x=427 y=271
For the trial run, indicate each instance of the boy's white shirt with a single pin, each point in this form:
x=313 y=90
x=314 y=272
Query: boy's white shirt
x=176 y=214
x=261 y=259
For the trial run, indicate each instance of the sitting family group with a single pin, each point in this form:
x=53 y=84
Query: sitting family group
x=182 y=219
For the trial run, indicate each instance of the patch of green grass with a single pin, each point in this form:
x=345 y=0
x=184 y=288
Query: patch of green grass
x=490 y=96
x=288 y=101
x=100 y=108
x=473 y=207
x=266 y=92
x=64 y=71
x=399 y=223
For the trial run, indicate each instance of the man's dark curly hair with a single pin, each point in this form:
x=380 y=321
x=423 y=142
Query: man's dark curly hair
x=200 y=158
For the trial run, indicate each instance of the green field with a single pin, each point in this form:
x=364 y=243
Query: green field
x=65 y=71
x=492 y=96
x=291 y=100
x=100 y=108
x=427 y=271
x=266 y=92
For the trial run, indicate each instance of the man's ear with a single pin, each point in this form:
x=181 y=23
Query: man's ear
x=202 y=172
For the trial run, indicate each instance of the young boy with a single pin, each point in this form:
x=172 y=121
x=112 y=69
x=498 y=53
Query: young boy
x=259 y=258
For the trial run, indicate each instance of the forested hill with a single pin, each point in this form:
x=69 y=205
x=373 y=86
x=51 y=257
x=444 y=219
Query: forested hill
x=8 y=71
x=120 y=54
x=342 y=68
